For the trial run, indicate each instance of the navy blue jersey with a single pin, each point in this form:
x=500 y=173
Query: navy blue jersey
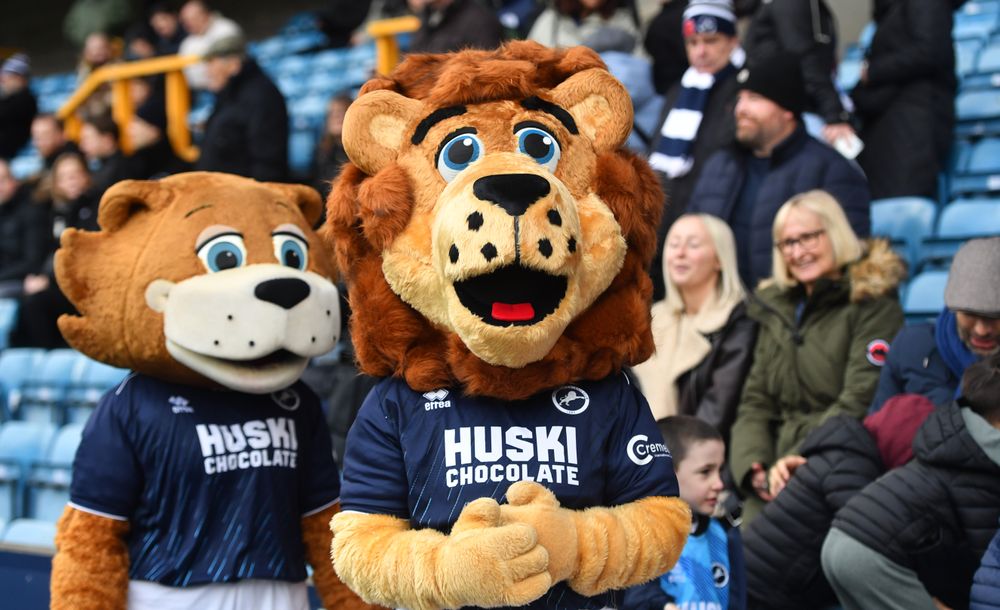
x=424 y=456
x=214 y=483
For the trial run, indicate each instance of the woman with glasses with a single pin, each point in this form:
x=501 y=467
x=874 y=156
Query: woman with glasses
x=825 y=316
x=704 y=339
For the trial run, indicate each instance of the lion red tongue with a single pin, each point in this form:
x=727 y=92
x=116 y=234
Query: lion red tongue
x=516 y=312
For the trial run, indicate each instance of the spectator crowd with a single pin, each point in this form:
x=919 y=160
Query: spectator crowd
x=831 y=454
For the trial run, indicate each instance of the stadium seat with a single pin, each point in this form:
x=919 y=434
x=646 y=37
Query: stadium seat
x=268 y=49
x=83 y=395
x=960 y=221
x=21 y=444
x=304 y=41
x=8 y=316
x=301 y=145
x=978 y=113
x=906 y=221
x=25 y=166
x=30 y=532
x=16 y=364
x=981 y=173
x=925 y=296
x=293 y=65
x=989 y=59
x=978 y=24
x=329 y=60
x=45 y=388
x=966 y=54
x=48 y=483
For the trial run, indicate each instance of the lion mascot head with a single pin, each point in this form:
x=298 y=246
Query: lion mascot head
x=493 y=232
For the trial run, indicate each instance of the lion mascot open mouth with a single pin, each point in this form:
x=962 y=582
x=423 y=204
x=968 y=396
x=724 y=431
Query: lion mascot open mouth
x=207 y=476
x=494 y=237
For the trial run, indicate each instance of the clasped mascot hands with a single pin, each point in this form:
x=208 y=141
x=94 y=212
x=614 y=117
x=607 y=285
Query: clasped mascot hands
x=495 y=239
x=206 y=479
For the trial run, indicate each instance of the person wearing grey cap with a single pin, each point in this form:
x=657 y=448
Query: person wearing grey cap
x=929 y=359
x=17 y=105
x=247 y=133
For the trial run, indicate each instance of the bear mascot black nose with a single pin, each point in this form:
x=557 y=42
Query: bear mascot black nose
x=286 y=292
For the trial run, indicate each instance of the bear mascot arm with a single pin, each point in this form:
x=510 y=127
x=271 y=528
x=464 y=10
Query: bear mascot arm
x=438 y=148
x=132 y=282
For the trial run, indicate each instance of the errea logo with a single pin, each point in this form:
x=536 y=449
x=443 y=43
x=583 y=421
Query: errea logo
x=179 y=404
x=436 y=400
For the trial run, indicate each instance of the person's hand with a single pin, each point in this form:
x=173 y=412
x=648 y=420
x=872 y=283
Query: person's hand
x=782 y=471
x=35 y=283
x=758 y=479
x=940 y=605
x=864 y=72
x=671 y=606
x=835 y=131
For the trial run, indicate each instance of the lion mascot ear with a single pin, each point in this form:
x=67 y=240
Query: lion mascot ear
x=600 y=105
x=375 y=126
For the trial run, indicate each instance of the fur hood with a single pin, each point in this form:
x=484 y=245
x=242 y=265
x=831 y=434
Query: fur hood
x=877 y=273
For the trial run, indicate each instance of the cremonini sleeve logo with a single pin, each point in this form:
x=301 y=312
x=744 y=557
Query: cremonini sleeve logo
x=641 y=451
x=571 y=400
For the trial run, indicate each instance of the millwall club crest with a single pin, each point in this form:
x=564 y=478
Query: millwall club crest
x=720 y=575
x=288 y=399
x=571 y=400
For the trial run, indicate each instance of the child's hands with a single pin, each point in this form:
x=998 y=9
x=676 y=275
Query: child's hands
x=758 y=479
x=782 y=471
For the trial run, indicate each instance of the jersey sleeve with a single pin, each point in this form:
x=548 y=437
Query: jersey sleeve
x=374 y=471
x=320 y=476
x=639 y=463
x=107 y=474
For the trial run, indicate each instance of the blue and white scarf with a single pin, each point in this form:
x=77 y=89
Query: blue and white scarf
x=673 y=152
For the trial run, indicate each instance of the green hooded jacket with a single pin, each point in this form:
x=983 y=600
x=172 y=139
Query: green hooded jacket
x=825 y=364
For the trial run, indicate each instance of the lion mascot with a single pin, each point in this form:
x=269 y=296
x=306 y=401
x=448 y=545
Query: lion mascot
x=206 y=479
x=495 y=240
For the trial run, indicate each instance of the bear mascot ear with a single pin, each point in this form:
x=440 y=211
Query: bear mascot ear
x=375 y=128
x=304 y=197
x=600 y=105
x=130 y=197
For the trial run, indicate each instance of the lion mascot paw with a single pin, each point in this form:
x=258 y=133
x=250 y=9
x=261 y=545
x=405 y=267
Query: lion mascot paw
x=206 y=479
x=495 y=237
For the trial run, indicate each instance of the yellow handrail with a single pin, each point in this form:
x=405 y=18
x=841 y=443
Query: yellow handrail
x=177 y=99
x=384 y=32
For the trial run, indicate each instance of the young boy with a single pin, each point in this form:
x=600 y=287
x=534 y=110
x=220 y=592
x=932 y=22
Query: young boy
x=709 y=574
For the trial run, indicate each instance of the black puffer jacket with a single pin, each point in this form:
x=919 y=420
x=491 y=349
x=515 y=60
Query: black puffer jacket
x=782 y=546
x=807 y=29
x=935 y=515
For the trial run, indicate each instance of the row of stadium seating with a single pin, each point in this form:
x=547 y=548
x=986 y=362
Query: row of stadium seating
x=36 y=462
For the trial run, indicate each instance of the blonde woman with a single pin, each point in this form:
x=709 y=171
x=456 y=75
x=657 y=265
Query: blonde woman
x=704 y=339
x=825 y=318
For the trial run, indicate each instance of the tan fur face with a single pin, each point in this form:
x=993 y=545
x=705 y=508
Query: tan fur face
x=202 y=278
x=499 y=222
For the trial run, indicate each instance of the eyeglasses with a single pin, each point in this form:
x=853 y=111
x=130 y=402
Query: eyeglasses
x=806 y=240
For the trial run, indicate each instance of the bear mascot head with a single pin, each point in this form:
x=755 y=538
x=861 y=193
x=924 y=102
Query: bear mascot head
x=495 y=239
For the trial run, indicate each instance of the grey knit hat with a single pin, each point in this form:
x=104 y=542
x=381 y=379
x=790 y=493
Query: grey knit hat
x=974 y=279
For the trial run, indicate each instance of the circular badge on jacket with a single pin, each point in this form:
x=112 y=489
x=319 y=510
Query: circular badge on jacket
x=877 y=351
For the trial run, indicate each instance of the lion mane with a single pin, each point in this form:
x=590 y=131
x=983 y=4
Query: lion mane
x=366 y=213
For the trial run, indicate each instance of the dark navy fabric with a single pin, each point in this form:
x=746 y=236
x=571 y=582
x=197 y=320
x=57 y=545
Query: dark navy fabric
x=214 y=483
x=742 y=218
x=915 y=365
x=986 y=584
x=423 y=457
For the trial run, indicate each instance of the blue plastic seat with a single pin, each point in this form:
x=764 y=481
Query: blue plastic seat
x=25 y=166
x=293 y=65
x=30 y=532
x=906 y=221
x=301 y=146
x=960 y=221
x=21 y=444
x=925 y=295
x=966 y=55
x=977 y=105
x=329 y=60
x=268 y=49
x=304 y=41
x=48 y=484
x=989 y=59
x=310 y=107
x=45 y=388
x=16 y=364
x=974 y=24
x=8 y=316
x=82 y=397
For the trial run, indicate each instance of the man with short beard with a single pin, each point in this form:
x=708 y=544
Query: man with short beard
x=772 y=159
x=929 y=359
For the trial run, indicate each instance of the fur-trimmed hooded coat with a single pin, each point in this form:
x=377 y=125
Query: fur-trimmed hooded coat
x=821 y=363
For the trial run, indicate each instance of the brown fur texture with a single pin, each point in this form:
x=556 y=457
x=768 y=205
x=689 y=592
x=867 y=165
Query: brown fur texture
x=366 y=213
x=877 y=273
x=317 y=538
x=149 y=229
x=90 y=567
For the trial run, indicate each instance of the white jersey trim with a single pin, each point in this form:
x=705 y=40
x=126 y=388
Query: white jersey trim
x=321 y=508
x=96 y=512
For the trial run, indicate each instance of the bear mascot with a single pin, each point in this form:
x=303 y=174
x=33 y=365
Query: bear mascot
x=495 y=238
x=206 y=479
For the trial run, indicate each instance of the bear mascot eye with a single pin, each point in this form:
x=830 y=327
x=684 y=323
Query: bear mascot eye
x=291 y=251
x=222 y=252
x=540 y=145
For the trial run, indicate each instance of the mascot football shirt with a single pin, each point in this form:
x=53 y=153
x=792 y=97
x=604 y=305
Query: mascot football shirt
x=423 y=456
x=213 y=482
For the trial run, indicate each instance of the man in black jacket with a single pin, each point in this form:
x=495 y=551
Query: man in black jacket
x=23 y=234
x=17 y=105
x=247 y=133
x=772 y=160
x=915 y=537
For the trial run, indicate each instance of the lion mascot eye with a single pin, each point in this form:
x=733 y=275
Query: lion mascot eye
x=222 y=252
x=458 y=153
x=540 y=145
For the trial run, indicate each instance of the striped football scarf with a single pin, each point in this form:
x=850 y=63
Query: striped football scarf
x=673 y=152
